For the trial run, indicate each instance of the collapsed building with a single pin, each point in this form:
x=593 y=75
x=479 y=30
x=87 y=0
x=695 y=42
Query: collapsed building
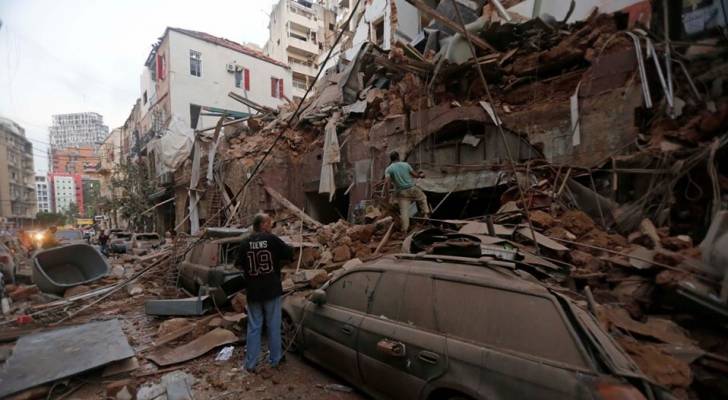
x=606 y=114
x=588 y=148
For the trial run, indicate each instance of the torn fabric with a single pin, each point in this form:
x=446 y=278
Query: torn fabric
x=331 y=156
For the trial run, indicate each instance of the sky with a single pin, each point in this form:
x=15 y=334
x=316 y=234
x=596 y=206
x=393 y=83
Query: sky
x=72 y=56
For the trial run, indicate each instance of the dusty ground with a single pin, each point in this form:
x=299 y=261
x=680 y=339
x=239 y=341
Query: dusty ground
x=296 y=379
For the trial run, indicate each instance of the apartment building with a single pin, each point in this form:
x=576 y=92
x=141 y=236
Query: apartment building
x=17 y=185
x=77 y=129
x=74 y=159
x=300 y=31
x=42 y=193
x=189 y=74
x=65 y=189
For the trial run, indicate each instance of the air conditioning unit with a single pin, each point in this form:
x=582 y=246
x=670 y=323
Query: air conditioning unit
x=230 y=67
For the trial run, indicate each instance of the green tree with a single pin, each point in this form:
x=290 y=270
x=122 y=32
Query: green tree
x=46 y=219
x=72 y=213
x=135 y=186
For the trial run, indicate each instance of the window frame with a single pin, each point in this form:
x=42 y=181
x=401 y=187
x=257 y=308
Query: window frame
x=328 y=285
x=198 y=59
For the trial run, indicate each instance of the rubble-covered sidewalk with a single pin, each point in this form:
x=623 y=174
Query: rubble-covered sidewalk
x=590 y=155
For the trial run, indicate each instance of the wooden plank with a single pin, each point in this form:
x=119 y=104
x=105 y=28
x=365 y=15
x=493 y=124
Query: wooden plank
x=291 y=207
x=432 y=13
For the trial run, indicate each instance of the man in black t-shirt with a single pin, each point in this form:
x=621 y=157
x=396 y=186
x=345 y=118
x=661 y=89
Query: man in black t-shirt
x=260 y=258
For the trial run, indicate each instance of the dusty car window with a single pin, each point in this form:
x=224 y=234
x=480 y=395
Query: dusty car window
x=385 y=303
x=353 y=290
x=418 y=308
x=510 y=320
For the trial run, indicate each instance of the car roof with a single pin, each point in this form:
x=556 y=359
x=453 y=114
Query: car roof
x=447 y=268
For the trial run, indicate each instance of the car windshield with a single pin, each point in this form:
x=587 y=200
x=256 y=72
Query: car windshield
x=122 y=236
x=69 y=235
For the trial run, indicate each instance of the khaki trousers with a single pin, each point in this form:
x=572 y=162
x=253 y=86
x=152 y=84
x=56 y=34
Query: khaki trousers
x=405 y=198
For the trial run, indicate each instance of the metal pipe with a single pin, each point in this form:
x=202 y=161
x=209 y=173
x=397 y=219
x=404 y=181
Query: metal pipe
x=501 y=10
x=668 y=63
x=536 y=9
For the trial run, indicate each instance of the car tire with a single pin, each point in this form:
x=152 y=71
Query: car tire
x=289 y=329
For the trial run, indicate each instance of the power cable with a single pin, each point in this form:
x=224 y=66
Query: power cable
x=499 y=125
x=280 y=135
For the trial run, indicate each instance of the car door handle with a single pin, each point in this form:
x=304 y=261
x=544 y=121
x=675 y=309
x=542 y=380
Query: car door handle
x=347 y=330
x=391 y=348
x=428 y=357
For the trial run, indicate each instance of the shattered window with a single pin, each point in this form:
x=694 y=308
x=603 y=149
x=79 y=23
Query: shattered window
x=353 y=291
x=504 y=319
x=195 y=63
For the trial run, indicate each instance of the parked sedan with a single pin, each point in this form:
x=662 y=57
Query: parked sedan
x=142 y=242
x=119 y=242
x=70 y=236
x=440 y=327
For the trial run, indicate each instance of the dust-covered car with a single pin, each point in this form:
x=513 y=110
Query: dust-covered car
x=70 y=236
x=142 y=242
x=119 y=242
x=443 y=327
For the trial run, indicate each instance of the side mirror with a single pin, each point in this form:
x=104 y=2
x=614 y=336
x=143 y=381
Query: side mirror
x=318 y=297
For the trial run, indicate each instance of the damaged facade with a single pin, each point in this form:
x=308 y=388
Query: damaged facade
x=583 y=151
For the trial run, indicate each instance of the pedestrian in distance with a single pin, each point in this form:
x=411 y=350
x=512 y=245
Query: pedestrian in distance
x=260 y=259
x=401 y=175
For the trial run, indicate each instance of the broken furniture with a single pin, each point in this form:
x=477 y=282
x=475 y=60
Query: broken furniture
x=60 y=268
x=46 y=357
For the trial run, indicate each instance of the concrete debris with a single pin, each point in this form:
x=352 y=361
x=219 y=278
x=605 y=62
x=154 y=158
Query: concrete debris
x=193 y=349
x=575 y=162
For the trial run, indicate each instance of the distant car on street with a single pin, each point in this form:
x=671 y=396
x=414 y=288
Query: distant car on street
x=70 y=236
x=445 y=327
x=141 y=242
x=120 y=242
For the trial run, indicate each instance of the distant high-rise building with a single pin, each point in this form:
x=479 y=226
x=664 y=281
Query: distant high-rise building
x=299 y=32
x=17 y=188
x=66 y=189
x=42 y=193
x=78 y=129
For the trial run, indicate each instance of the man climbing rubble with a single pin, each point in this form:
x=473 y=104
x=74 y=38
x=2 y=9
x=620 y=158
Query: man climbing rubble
x=260 y=258
x=401 y=174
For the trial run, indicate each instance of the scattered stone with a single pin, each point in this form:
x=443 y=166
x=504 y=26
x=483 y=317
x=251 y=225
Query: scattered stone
x=150 y=391
x=172 y=325
x=309 y=256
x=580 y=258
x=361 y=233
x=134 y=289
x=117 y=271
x=23 y=292
x=542 y=219
x=319 y=279
x=341 y=253
x=577 y=222
x=677 y=243
x=351 y=263
x=120 y=390
x=178 y=385
x=76 y=290
x=239 y=302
